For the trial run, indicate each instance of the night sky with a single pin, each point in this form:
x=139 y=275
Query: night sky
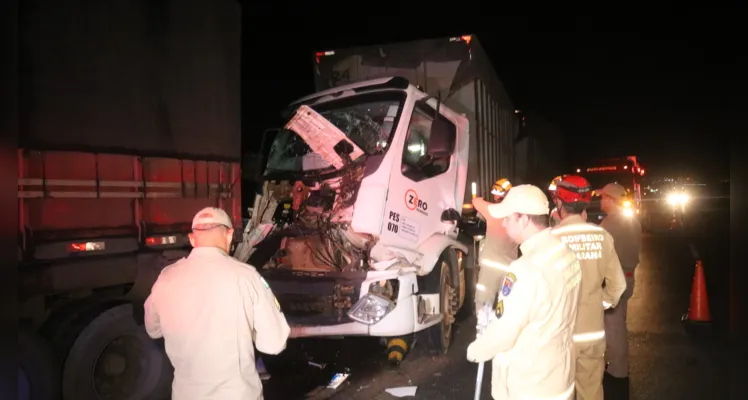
x=664 y=91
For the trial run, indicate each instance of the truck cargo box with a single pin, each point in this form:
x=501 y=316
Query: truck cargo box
x=541 y=151
x=132 y=76
x=458 y=70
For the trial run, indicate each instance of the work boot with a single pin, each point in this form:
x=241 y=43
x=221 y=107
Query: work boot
x=615 y=388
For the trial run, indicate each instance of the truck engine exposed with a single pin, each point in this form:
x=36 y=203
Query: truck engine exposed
x=305 y=224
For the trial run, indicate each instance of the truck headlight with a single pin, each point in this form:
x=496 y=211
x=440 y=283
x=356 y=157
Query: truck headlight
x=677 y=198
x=627 y=212
x=371 y=308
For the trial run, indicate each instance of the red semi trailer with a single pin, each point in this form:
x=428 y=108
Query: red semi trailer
x=131 y=123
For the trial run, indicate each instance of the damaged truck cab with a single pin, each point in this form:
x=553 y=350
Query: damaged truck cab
x=356 y=227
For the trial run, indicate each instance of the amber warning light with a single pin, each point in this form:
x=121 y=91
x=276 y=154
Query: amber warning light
x=463 y=38
x=606 y=168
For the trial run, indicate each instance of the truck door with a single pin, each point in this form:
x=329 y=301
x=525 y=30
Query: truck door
x=421 y=186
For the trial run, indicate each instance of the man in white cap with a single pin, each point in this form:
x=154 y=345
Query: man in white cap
x=497 y=251
x=529 y=337
x=627 y=235
x=210 y=309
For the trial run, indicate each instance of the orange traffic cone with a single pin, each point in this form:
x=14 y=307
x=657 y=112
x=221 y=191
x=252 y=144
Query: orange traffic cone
x=699 y=308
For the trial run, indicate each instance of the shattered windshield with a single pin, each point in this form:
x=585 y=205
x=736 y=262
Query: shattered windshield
x=369 y=120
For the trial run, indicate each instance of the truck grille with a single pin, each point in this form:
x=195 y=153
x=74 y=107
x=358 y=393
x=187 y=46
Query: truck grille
x=319 y=298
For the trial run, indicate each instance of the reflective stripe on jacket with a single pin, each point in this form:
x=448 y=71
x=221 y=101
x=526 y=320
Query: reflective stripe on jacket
x=597 y=257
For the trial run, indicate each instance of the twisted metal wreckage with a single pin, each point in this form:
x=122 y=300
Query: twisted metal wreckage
x=306 y=225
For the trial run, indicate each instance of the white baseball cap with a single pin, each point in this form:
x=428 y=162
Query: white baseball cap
x=613 y=190
x=522 y=199
x=209 y=218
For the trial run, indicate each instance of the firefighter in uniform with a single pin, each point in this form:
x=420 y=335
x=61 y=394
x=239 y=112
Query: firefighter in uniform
x=555 y=218
x=626 y=231
x=596 y=253
x=210 y=309
x=496 y=250
x=529 y=335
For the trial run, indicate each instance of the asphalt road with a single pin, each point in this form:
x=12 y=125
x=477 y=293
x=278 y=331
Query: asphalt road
x=667 y=362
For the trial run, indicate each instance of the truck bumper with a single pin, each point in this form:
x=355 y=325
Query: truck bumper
x=404 y=319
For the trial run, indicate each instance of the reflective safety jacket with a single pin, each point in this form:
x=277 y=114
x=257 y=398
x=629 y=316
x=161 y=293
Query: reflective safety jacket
x=529 y=336
x=496 y=253
x=210 y=309
x=597 y=256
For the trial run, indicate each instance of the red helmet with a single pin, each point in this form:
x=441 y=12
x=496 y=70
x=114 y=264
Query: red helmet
x=572 y=189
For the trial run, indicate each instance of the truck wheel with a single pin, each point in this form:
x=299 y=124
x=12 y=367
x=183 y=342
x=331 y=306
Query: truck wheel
x=471 y=282
x=38 y=373
x=113 y=358
x=441 y=280
x=64 y=325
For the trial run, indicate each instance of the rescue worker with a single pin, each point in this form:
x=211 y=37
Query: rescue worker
x=595 y=251
x=210 y=309
x=496 y=251
x=555 y=217
x=626 y=232
x=529 y=336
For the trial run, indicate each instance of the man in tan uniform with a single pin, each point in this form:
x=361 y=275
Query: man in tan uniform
x=210 y=309
x=497 y=251
x=529 y=336
x=627 y=232
x=596 y=254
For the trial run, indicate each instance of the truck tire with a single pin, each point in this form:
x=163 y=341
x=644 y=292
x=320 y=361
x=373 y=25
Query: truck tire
x=38 y=372
x=65 y=324
x=471 y=284
x=114 y=346
x=441 y=280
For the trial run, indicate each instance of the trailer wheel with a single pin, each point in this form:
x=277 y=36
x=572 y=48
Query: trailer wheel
x=113 y=358
x=441 y=280
x=38 y=373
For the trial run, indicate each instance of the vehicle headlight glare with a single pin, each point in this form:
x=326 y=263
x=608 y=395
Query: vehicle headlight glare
x=677 y=198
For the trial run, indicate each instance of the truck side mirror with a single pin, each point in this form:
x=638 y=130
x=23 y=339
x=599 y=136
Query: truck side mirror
x=442 y=137
x=451 y=216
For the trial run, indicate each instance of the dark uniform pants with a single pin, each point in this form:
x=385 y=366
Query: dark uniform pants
x=616 y=334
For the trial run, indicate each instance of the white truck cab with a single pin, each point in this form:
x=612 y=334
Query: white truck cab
x=356 y=228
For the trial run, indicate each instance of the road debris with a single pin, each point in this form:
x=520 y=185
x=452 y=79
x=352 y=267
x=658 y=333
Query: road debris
x=337 y=380
x=402 y=391
x=314 y=364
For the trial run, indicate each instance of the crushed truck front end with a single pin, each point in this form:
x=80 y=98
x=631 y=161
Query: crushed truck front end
x=367 y=303
x=326 y=230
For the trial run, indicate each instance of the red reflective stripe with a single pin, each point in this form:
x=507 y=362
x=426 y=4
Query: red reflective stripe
x=629 y=274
